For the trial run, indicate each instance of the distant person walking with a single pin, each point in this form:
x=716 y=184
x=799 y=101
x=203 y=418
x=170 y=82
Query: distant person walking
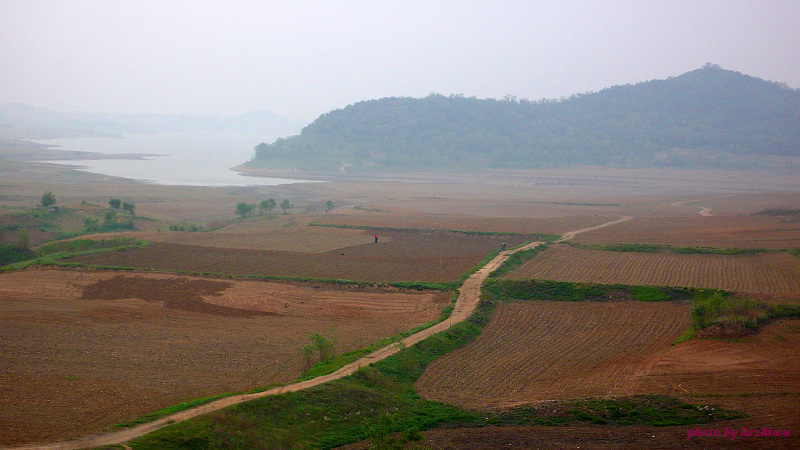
x=503 y=246
x=376 y=239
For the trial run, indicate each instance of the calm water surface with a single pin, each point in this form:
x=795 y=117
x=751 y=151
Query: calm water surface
x=188 y=159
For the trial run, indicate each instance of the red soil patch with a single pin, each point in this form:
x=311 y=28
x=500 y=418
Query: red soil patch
x=81 y=350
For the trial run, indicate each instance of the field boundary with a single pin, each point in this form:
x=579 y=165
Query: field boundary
x=538 y=236
x=467 y=302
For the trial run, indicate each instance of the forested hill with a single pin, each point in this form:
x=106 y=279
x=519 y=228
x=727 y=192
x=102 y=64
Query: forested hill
x=707 y=117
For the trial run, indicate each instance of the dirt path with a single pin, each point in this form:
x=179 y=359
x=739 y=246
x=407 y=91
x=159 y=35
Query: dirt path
x=705 y=212
x=467 y=301
x=571 y=234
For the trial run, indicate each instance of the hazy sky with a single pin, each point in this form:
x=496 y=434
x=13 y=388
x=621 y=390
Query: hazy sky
x=300 y=59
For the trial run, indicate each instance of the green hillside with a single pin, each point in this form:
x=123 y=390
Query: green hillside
x=708 y=117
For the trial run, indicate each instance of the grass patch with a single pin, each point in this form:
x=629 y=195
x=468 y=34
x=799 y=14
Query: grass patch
x=167 y=411
x=82 y=245
x=53 y=253
x=510 y=290
x=659 y=248
x=648 y=293
x=363 y=208
x=724 y=315
x=780 y=211
x=652 y=410
x=185 y=227
x=10 y=254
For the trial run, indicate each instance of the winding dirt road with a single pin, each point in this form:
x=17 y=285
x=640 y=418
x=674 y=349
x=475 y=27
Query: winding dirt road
x=469 y=295
x=705 y=212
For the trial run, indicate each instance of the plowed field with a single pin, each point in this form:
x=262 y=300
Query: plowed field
x=698 y=231
x=535 y=351
x=398 y=256
x=414 y=219
x=301 y=238
x=766 y=274
x=81 y=350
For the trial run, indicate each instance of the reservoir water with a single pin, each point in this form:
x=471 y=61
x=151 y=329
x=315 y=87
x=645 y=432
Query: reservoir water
x=184 y=158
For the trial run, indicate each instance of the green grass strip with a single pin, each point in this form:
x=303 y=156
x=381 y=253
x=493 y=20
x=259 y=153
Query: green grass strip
x=662 y=248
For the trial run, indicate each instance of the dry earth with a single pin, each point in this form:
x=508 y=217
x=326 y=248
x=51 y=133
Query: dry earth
x=775 y=276
x=741 y=231
x=538 y=350
x=82 y=350
x=398 y=256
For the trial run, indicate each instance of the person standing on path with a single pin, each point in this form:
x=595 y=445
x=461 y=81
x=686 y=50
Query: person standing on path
x=376 y=238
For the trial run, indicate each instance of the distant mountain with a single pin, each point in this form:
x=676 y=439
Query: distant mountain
x=34 y=120
x=707 y=117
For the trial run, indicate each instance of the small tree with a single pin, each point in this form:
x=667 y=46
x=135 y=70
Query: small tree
x=308 y=354
x=128 y=207
x=115 y=203
x=243 y=208
x=310 y=208
x=110 y=218
x=286 y=205
x=91 y=224
x=23 y=239
x=268 y=205
x=48 y=199
x=324 y=348
x=328 y=206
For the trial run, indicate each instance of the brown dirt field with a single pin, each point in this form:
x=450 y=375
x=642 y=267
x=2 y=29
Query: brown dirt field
x=536 y=351
x=81 y=350
x=775 y=276
x=415 y=219
x=759 y=375
x=747 y=204
x=297 y=239
x=763 y=363
x=398 y=256
x=698 y=231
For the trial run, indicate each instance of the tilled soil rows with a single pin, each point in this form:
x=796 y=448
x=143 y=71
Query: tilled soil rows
x=541 y=350
x=729 y=231
x=81 y=350
x=770 y=274
x=397 y=256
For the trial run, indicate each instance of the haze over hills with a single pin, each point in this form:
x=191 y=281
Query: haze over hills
x=23 y=121
x=710 y=117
